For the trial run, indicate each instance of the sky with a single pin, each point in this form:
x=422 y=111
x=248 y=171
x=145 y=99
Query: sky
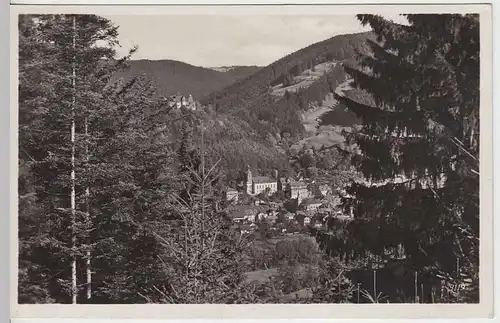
x=224 y=40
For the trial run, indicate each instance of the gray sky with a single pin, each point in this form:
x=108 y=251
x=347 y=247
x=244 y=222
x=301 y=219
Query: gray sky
x=216 y=40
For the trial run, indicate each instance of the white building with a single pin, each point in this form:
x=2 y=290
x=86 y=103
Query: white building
x=259 y=184
x=295 y=189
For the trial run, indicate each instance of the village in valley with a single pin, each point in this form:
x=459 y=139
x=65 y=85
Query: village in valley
x=286 y=206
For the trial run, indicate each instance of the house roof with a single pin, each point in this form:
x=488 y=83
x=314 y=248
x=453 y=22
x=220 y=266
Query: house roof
x=311 y=201
x=299 y=184
x=263 y=179
x=240 y=211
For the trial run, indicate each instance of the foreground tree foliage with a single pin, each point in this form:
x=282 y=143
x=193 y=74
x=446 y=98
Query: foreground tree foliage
x=424 y=131
x=92 y=167
x=202 y=255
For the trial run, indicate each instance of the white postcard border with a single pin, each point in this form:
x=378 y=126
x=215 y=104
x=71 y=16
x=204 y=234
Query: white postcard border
x=275 y=311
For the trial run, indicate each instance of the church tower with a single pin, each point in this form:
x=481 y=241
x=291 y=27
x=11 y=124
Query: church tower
x=249 y=181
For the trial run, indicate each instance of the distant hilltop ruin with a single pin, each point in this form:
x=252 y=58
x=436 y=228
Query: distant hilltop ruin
x=179 y=101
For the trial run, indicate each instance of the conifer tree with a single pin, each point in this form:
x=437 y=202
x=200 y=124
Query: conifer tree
x=118 y=156
x=424 y=128
x=202 y=255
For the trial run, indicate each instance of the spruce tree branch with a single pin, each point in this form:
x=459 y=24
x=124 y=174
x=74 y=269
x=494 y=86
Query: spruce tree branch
x=145 y=297
x=169 y=245
x=462 y=147
x=29 y=156
x=179 y=201
x=457 y=240
x=211 y=169
x=161 y=293
x=195 y=173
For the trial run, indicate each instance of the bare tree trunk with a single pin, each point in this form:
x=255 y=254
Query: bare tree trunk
x=416 y=288
x=422 y=293
x=340 y=293
x=203 y=187
x=74 y=290
x=88 y=222
x=441 y=292
x=200 y=222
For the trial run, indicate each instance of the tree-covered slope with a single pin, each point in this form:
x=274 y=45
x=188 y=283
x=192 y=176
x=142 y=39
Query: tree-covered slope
x=174 y=77
x=252 y=98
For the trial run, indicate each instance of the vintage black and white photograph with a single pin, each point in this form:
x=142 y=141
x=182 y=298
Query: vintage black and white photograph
x=248 y=159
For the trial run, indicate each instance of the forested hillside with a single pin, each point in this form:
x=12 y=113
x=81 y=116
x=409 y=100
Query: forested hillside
x=174 y=77
x=243 y=115
x=264 y=125
x=251 y=98
x=228 y=140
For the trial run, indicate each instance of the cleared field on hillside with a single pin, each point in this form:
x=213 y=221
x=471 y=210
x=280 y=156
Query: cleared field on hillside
x=305 y=79
x=324 y=123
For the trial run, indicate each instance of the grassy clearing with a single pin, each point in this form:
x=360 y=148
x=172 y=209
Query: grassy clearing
x=305 y=79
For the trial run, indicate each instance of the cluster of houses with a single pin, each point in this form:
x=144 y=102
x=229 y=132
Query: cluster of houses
x=293 y=189
x=309 y=208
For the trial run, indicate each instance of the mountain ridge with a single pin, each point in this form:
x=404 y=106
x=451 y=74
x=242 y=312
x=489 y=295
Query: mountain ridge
x=173 y=77
x=225 y=69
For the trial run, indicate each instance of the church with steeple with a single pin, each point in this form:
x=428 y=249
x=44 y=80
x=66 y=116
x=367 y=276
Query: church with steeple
x=258 y=184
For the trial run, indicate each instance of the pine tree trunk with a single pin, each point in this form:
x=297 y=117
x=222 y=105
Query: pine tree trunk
x=416 y=291
x=73 y=177
x=202 y=188
x=87 y=220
